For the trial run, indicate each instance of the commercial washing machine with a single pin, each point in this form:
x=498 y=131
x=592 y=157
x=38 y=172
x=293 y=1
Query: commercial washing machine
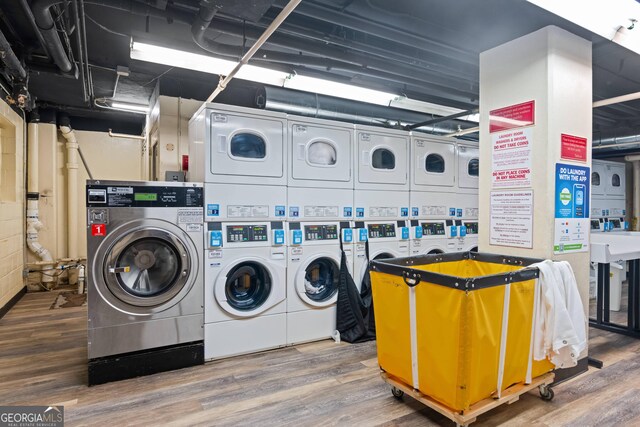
x=313 y=273
x=386 y=239
x=381 y=187
x=429 y=237
x=145 y=294
x=241 y=154
x=245 y=288
x=608 y=196
x=320 y=178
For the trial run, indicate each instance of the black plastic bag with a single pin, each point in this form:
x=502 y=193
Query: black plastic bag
x=355 y=319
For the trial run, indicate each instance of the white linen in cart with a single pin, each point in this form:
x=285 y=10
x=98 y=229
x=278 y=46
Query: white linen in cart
x=560 y=326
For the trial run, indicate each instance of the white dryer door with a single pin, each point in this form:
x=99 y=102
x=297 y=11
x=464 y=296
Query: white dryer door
x=598 y=179
x=320 y=153
x=468 y=166
x=318 y=279
x=246 y=146
x=434 y=163
x=248 y=287
x=615 y=185
x=382 y=158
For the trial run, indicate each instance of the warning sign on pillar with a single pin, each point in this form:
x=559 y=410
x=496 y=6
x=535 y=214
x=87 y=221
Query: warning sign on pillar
x=511 y=158
x=573 y=148
x=512 y=117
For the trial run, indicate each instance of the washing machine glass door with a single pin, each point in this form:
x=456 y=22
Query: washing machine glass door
x=147 y=267
x=248 y=286
x=319 y=285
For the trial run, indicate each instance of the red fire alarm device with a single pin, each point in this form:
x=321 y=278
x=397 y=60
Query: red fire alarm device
x=185 y=162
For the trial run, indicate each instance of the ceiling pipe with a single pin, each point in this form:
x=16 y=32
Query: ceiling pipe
x=42 y=13
x=10 y=60
x=265 y=36
x=617 y=100
x=464 y=132
x=623 y=141
x=443 y=119
x=32 y=21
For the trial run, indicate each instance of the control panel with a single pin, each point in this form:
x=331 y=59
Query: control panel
x=433 y=229
x=382 y=230
x=115 y=196
x=247 y=233
x=472 y=227
x=615 y=224
x=595 y=224
x=321 y=232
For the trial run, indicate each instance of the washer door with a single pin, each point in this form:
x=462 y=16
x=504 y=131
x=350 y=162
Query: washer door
x=247 y=287
x=317 y=281
x=147 y=266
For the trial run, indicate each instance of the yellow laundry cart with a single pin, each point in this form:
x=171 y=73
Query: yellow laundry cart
x=456 y=329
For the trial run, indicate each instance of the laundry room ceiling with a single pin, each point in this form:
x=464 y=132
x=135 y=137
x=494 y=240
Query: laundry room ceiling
x=427 y=50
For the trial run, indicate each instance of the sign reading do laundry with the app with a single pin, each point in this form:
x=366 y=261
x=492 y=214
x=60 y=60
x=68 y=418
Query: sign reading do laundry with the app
x=572 y=208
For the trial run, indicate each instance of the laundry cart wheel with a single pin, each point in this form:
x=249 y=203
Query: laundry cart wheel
x=546 y=393
x=397 y=393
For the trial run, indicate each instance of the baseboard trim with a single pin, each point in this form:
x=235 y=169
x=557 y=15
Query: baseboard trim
x=13 y=301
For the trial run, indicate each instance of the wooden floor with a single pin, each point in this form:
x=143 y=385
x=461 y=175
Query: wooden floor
x=43 y=361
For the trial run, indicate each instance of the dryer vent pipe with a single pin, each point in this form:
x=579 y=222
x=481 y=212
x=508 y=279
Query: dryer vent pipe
x=72 y=191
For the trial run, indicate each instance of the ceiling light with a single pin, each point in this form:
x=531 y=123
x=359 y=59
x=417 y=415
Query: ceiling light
x=134 y=108
x=605 y=18
x=206 y=64
x=430 y=108
x=341 y=90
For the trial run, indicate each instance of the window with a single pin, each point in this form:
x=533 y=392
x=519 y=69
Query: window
x=322 y=153
x=595 y=179
x=248 y=146
x=615 y=180
x=434 y=163
x=383 y=158
x=473 y=168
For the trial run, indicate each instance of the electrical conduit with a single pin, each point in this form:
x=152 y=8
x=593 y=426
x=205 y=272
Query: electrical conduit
x=33 y=197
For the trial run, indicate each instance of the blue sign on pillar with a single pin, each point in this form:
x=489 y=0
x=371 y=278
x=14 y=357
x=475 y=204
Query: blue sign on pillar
x=571 y=208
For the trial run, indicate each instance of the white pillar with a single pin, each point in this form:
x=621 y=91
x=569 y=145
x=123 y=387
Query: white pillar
x=551 y=67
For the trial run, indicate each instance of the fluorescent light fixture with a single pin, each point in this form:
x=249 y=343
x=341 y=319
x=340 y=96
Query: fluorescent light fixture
x=134 y=108
x=430 y=108
x=206 y=64
x=607 y=18
x=341 y=90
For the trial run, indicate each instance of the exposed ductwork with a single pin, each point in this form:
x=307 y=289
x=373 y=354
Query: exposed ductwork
x=42 y=14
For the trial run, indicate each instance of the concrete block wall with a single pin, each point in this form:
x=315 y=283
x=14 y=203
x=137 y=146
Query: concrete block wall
x=11 y=203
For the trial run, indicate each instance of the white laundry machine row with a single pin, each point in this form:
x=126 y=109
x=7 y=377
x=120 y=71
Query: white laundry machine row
x=144 y=278
x=320 y=178
x=313 y=273
x=381 y=185
x=384 y=239
x=245 y=283
x=608 y=196
x=241 y=154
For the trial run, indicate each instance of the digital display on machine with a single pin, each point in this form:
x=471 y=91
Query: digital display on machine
x=320 y=232
x=616 y=223
x=433 y=229
x=145 y=197
x=246 y=233
x=595 y=224
x=472 y=227
x=382 y=230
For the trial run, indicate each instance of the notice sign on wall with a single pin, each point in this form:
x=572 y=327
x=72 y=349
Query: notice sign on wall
x=573 y=148
x=511 y=158
x=511 y=117
x=512 y=219
x=571 y=209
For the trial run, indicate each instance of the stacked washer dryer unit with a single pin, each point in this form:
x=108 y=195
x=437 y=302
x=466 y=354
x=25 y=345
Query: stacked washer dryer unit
x=240 y=154
x=145 y=278
x=436 y=208
x=381 y=195
x=608 y=191
x=468 y=167
x=320 y=196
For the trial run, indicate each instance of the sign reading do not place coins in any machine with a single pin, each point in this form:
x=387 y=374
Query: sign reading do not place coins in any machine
x=511 y=145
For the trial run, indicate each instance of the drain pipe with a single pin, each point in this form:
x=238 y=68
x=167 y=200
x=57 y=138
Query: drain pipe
x=33 y=196
x=636 y=190
x=72 y=191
